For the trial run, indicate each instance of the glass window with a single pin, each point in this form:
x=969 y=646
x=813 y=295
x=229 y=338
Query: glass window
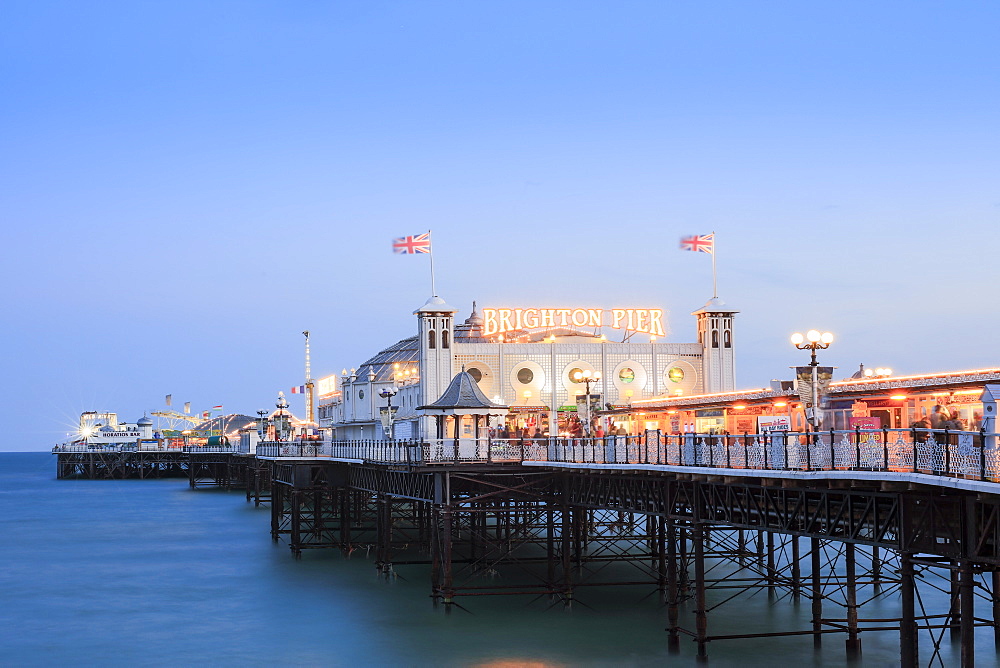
x=525 y=376
x=675 y=374
x=476 y=374
x=626 y=375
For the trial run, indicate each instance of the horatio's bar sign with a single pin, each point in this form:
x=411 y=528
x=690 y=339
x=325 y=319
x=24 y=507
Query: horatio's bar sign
x=500 y=320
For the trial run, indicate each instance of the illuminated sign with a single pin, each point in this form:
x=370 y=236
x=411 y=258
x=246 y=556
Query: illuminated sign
x=499 y=320
x=326 y=385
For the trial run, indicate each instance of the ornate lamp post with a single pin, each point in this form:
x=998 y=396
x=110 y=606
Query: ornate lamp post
x=387 y=394
x=281 y=404
x=261 y=426
x=587 y=377
x=816 y=341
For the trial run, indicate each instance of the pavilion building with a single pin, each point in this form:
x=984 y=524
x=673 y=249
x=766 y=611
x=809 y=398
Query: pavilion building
x=529 y=361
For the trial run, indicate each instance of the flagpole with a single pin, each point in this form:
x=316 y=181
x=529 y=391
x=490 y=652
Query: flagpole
x=715 y=284
x=431 y=253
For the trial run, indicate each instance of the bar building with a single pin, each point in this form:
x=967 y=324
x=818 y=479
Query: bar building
x=526 y=360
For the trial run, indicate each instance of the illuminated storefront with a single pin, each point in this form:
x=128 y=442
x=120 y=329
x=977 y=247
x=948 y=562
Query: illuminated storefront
x=866 y=403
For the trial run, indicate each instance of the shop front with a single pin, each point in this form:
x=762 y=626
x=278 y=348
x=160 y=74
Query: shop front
x=894 y=403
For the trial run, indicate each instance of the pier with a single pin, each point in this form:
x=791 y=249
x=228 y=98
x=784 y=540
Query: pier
x=832 y=520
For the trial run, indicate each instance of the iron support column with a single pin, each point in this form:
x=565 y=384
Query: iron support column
x=955 y=609
x=673 y=591
x=771 y=579
x=567 y=551
x=700 y=613
x=817 y=594
x=968 y=617
x=796 y=571
x=908 y=649
x=853 y=640
x=996 y=608
x=296 y=538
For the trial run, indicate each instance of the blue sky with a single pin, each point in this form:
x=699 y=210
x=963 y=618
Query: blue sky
x=186 y=186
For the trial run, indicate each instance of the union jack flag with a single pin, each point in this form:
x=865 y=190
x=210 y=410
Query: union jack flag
x=700 y=243
x=420 y=243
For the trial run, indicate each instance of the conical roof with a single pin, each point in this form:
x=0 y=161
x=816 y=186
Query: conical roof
x=462 y=392
x=715 y=305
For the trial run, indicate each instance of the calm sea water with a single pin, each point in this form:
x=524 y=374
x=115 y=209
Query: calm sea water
x=137 y=573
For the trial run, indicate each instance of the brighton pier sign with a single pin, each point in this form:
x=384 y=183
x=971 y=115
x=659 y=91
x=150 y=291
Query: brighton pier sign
x=500 y=320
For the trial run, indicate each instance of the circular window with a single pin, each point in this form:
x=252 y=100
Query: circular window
x=476 y=374
x=626 y=375
x=361 y=394
x=525 y=376
x=676 y=374
x=574 y=374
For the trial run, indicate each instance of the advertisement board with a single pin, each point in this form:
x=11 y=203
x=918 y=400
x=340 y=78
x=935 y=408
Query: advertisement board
x=766 y=423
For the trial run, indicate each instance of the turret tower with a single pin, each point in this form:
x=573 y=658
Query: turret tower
x=436 y=328
x=715 y=334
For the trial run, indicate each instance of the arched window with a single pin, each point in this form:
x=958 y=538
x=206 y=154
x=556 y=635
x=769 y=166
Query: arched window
x=715 y=338
x=444 y=339
x=727 y=339
x=430 y=339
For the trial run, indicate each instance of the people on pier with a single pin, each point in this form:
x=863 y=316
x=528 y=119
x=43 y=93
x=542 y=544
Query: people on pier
x=938 y=417
x=920 y=426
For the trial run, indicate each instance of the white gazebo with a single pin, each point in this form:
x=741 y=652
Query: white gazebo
x=461 y=416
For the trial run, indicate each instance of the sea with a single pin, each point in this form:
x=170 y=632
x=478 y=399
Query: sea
x=153 y=573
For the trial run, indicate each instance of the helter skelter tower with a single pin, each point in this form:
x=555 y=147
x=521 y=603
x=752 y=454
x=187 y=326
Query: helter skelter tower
x=310 y=385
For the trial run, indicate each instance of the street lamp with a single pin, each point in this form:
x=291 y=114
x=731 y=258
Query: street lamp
x=816 y=341
x=281 y=404
x=879 y=372
x=261 y=426
x=587 y=377
x=388 y=393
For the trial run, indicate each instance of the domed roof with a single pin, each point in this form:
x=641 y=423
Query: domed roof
x=144 y=422
x=435 y=305
x=382 y=364
x=471 y=331
x=715 y=305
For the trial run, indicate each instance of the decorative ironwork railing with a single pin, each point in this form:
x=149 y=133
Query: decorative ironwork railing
x=964 y=454
x=293 y=449
x=145 y=447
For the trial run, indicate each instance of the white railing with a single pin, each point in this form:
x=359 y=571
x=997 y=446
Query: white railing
x=937 y=452
x=293 y=449
x=131 y=447
x=963 y=454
